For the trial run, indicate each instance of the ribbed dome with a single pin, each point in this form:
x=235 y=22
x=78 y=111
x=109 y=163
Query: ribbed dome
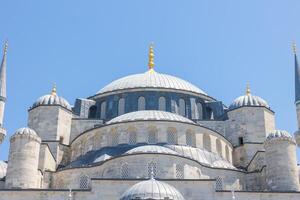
x=25 y=131
x=151 y=149
x=150 y=79
x=3 y=167
x=52 y=99
x=279 y=134
x=149 y=115
x=248 y=100
x=152 y=189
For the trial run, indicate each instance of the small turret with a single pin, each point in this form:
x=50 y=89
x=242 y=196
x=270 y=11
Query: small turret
x=3 y=91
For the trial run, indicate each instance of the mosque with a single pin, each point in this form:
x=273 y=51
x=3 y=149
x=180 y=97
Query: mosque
x=150 y=136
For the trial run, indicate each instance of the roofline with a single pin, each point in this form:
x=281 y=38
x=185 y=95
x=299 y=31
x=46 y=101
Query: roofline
x=267 y=108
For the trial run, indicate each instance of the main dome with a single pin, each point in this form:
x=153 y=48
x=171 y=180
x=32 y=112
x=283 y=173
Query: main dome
x=151 y=79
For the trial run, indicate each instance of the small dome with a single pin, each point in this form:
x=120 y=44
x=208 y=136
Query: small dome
x=151 y=149
x=3 y=168
x=248 y=100
x=279 y=134
x=149 y=115
x=152 y=189
x=25 y=131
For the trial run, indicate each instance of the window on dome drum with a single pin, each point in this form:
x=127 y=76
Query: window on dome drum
x=219 y=147
x=132 y=138
x=227 y=153
x=219 y=183
x=152 y=137
x=190 y=139
x=152 y=167
x=180 y=171
x=182 y=107
x=92 y=112
x=124 y=170
x=174 y=106
x=84 y=182
x=200 y=110
x=207 y=142
x=162 y=103
x=121 y=106
x=172 y=136
x=103 y=110
x=114 y=139
x=141 y=103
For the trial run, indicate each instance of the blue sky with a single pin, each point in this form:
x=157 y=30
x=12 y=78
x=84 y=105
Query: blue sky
x=83 y=45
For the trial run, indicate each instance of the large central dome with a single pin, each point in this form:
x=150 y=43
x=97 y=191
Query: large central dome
x=151 y=79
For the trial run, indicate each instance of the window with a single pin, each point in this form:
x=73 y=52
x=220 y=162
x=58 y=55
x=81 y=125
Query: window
x=92 y=112
x=103 y=110
x=227 y=153
x=241 y=140
x=172 y=136
x=206 y=142
x=190 y=138
x=121 y=106
x=132 y=138
x=180 y=171
x=152 y=135
x=219 y=147
x=219 y=183
x=174 y=106
x=141 y=103
x=124 y=171
x=114 y=139
x=162 y=103
x=84 y=182
x=182 y=107
x=152 y=169
x=200 y=112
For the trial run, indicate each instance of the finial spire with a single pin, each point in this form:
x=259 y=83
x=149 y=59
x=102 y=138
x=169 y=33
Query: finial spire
x=5 y=47
x=53 y=91
x=294 y=48
x=151 y=57
x=248 y=91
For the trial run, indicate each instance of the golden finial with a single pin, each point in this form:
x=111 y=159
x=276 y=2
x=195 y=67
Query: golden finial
x=53 y=91
x=248 y=91
x=5 y=47
x=294 y=48
x=151 y=57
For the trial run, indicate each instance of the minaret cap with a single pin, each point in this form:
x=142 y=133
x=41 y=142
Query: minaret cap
x=151 y=57
x=294 y=47
x=248 y=91
x=53 y=91
x=5 y=47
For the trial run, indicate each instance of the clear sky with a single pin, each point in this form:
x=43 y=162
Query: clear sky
x=84 y=45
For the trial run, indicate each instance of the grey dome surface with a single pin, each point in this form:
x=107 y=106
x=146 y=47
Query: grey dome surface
x=152 y=189
x=25 y=131
x=279 y=134
x=3 y=168
x=248 y=100
x=151 y=149
x=51 y=99
x=150 y=79
x=149 y=115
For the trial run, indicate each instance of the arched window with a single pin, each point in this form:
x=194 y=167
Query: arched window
x=152 y=135
x=227 y=153
x=207 y=142
x=172 y=136
x=114 y=138
x=182 y=107
x=103 y=110
x=141 y=103
x=132 y=137
x=200 y=110
x=121 y=106
x=152 y=168
x=92 y=112
x=162 y=103
x=124 y=171
x=84 y=182
x=180 y=171
x=174 y=106
x=219 y=147
x=190 y=138
x=219 y=183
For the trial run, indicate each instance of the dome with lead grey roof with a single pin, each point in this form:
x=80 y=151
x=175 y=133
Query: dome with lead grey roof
x=152 y=80
x=25 y=131
x=248 y=100
x=52 y=99
x=3 y=168
x=152 y=189
x=151 y=149
x=155 y=115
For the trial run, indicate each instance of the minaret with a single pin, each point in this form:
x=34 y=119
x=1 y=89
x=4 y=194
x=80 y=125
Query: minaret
x=3 y=91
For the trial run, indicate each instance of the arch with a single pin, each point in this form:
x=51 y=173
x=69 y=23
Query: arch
x=132 y=137
x=227 y=153
x=141 y=103
x=162 y=103
x=182 y=107
x=152 y=135
x=103 y=110
x=219 y=147
x=200 y=111
x=174 y=106
x=114 y=137
x=152 y=167
x=124 y=171
x=190 y=138
x=92 y=112
x=207 y=142
x=84 y=182
x=180 y=171
x=172 y=137
x=121 y=106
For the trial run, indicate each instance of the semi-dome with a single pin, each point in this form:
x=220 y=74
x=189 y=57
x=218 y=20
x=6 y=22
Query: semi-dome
x=248 y=100
x=52 y=99
x=149 y=115
x=3 y=168
x=279 y=134
x=153 y=80
x=152 y=189
x=151 y=149
x=25 y=131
